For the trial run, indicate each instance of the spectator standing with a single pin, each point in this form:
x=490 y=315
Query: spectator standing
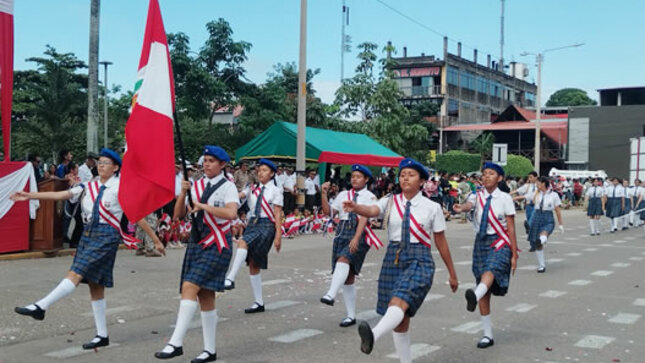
x=85 y=170
x=65 y=157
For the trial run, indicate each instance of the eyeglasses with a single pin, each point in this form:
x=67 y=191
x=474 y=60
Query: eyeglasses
x=104 y=162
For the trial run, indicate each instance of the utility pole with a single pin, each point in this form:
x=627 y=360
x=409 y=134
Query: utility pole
x=302 y=105
x=105 y=99
x=501 y=41
x=344 y=41
x=93 y=79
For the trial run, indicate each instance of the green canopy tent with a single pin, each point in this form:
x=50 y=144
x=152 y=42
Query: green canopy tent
x=322 y=146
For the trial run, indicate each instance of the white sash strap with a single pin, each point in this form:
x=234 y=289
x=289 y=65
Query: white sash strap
x=129 y=241
x=497 y=226
x=370 y=237
x=266 y=207
x=218 y=231
x=415 y=228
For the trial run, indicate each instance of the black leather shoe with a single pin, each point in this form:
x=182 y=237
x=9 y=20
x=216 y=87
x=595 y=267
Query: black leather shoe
x=541 y=270
x=257 y=308
x=103 y=342
x=210 y=358
x=38 y=314
x=532 y=249
x=327 y=300
x=227 y=287
x=471 y=300
x=485 y=342
x=367 y=338
x=526 y=227
x=177 y=351
x=347 y=322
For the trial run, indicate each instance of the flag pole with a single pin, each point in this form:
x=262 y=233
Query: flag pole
x=182 y=155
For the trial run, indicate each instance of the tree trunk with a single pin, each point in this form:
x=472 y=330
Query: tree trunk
x=93 y=74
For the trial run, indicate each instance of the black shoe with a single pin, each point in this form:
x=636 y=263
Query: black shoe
x=612 y=231
x=625 y=228
x=471 y=300
x=210 y=358
x=347 y=322
x=526 y=227
x=367 y=338
x=541 y=270
x=229 y=287
x=38 y=314
x=327 y=300
x=532 y=249
x=256 y=308
x=177 y=351
x=103 y=342
x=485 y=342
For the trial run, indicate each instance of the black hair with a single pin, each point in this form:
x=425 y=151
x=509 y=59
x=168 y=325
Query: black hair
x=545 y=180
x=534 y=173
x=32 y=157
x=62 y=154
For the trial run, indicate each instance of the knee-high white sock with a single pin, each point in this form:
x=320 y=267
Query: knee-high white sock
x=256 y=285
x=392 y=318
x=592 y=226
x=402 y=345
x=486 y=325
x=631 y=216
x=98 y=308
x=543 y=239
x=240 y=258
x=540 y=257
x=349 y=296
x=613 y=223
x=186 y=312
x=597 y=225
x=63 y=289
x=481 y=290
x=209 y=330
x=338 y=278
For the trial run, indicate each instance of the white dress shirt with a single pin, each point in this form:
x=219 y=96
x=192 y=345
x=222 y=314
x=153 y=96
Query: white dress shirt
x=110 y=198
x=225 y=194
x=501 y=203
x=364 y=197
x=551 y=200
x=272 y=194
x=85 y=173
x=595 y=192
x=426 y=212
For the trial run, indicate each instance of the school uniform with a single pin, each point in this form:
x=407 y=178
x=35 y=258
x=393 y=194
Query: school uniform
x=595 y=195
x=543 y=220
x=492 y=248
x=629 y=196
x=208 y=252
x=310 y=194
x=260 y=232
x=408 y=267
x=528 y=189
x=288 y=186
x=614 y=194
x=640 y=193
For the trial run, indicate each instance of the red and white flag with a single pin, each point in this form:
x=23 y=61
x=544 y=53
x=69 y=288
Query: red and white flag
x=6 y=72
x=148 y=175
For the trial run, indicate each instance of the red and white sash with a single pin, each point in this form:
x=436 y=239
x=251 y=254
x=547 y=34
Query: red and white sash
x=502 y=233
x=218 y=231
x=370 y=237
x=266 y=207
x=129 y=241
x=415 y=228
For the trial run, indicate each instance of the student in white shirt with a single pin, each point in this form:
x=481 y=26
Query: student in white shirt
x=595 y=205
x=546 y=201
x=640 y=201
x=85 y=170
x=614 y=202
x=628 y=211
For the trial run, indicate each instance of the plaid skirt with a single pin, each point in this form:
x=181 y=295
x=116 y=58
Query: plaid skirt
x=485 y=258
x=542 y=222
x=347 y=230
x=613 y=207
x=595 y=207
x=95 y=254
x=259 y=238
x=641 y=206
x=628 y=206
x=530 y=208
x=409 y=280
x=206 y=268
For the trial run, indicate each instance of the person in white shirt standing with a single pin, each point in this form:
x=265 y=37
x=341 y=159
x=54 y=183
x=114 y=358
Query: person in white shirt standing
x=614 y=202
x=85 y=170
x=310 y=190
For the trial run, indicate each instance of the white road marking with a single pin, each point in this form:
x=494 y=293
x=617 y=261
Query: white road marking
x=471 y=327
x=275 y=282
x=521 y=308
x=594 y=342
x=606 y=245
x=639 y=302
x=603 y=273
x=111 y=311
x=281 y=304
x=571 y=238
x=469 y=262
x=631 y=238
x=574 y=254
x=75 y=351
x=466 y=247
x=553 y=294
x=528 y=267
x=591 y=249
x=554 y=260
x=636 y=259
x=418 y=350
x=431 y=297
x=621 y=264
x=642 y=253
x=624 y=318
x=580 y=282
x=296 y=335
x=466 y=285
x=370 y=264
x=197 y=323
x=556 y=242
x=620 y=241
x=367 y=315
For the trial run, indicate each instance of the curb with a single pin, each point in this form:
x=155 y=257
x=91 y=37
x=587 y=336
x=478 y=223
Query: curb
x=42 y=254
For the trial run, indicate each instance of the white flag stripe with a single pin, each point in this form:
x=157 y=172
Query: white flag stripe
x=154 y=93
x=6 y=6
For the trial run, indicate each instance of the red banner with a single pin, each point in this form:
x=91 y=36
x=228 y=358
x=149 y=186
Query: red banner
x=6 y=72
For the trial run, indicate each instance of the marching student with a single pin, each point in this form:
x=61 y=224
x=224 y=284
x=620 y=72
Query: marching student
x=264 y=230
x=495 y=250
x=628 y=210
x=528 y=188
x=215 y=203
x=546 y=201
x=352 y=240
x=596 y=206
x=614 y=202
x=408 y=267
x=640 y=201
x=96 y=252
x=633 y=192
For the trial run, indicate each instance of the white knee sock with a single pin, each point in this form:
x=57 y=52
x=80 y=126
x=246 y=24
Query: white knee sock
x=256 y=285
x=540 y=257
x=349 y=296
x=402 y=345
x=209 y=329
x=98 y=307
x=63 y=289
x=597 y=225
x=543 y=239
x=631 y=216
x=486 y=325
x=392 y=318
x=240 y=258
x=481 y=290
x=338 y=278
x=592 y=226
x=613 y=223
x=186 y=312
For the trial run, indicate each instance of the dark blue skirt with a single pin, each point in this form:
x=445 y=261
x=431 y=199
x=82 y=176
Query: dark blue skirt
x=542 y=222
x=485 y=258
x=641 y=206
x=595 y=207
x=206 y=268
x=347 y=230
x=259 y=238
x=529 y=211
x=628 y=206
x=410 y=280
x=613 y=208
x=96 y=253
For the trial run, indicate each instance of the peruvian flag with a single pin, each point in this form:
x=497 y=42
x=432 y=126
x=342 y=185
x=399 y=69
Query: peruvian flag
x=6 y=72
x=148 y=175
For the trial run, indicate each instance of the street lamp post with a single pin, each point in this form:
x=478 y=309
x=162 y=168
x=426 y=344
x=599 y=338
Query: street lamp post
x=539 y=57
x=105 y=111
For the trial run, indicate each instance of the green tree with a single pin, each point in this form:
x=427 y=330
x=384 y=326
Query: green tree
x=483 y=145
x=570 y=97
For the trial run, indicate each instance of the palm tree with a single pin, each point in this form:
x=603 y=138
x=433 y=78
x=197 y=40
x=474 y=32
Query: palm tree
x=483 y=145
x=93 y=73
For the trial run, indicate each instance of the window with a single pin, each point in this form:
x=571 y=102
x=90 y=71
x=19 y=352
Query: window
x=467 y=80
x=453 y=76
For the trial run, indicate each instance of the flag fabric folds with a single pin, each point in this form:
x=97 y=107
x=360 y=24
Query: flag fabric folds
x=6 y=72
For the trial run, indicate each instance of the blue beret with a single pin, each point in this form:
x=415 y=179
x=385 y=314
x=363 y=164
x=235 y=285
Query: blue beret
x=413 y=164
x=216 y=152
x=111 y=154
x=490 y=165
x=268 y=163
x=362 y=169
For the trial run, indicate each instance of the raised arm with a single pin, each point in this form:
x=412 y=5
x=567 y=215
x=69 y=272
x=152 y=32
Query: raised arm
x=323 y=198
x=361 y=209
x=22 y=196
